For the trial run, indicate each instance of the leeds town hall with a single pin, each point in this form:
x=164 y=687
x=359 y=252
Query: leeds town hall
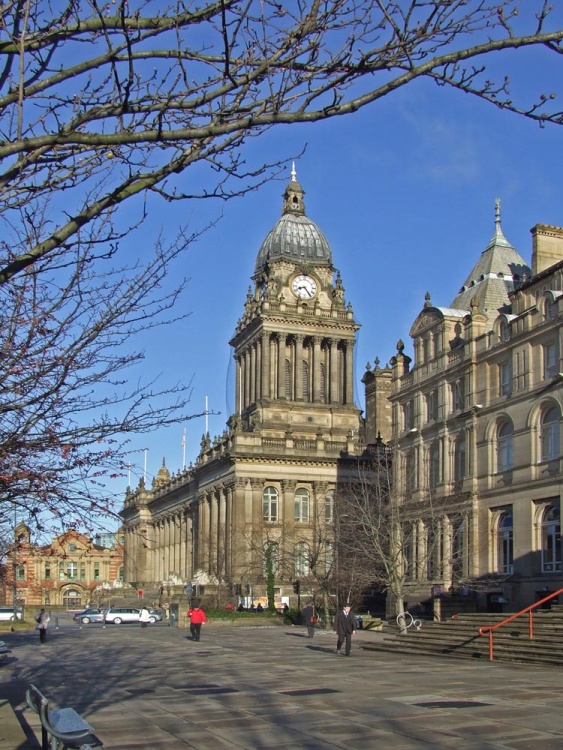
x=474 y=413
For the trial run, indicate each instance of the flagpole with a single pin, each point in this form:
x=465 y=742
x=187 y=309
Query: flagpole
x=206 y=417
x=184 y=449
x=145 y=468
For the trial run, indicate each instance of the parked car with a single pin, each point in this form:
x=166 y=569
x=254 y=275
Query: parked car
x=7 y=613
x=88 y=615
x=158 y=615
x=117 y=615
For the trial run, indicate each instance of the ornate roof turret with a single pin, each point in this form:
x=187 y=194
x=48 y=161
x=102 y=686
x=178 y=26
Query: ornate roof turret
x=163 y=476
x=294 y=237
x=497 y=272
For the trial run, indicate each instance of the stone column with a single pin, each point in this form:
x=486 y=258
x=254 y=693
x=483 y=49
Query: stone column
x=298 y=367
x=252 y=385
x=265 y=364
x=238 y=386
x=221 y=549
x=316 y=369
x=246 y=379
x=228 y=531
x=281 y=366
x=333 y=375
x=349 y=372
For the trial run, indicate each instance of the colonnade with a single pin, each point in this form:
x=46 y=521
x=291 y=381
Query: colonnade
x=295 y=367
x=173 y=545
x=213 y=553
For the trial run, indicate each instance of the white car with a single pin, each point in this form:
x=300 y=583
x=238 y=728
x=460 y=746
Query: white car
x=7 y=613
x=117 y=615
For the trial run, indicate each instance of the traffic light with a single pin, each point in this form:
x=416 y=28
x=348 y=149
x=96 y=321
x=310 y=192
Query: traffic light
x=296 y=587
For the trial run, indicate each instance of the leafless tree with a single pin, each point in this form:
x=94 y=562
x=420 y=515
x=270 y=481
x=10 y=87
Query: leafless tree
x=103 y=102
x=388 y=538
x=103 y=105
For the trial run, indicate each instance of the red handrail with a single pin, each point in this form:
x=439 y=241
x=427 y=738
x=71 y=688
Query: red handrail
x=489 y=628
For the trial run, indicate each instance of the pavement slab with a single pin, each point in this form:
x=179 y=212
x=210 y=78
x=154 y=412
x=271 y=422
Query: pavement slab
x=274 y=689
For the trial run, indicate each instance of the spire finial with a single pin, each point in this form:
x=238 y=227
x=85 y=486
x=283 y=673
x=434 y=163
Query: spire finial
x=497 y=212
x=293 y=172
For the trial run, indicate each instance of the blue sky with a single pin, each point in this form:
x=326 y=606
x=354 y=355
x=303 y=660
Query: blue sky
x=404 y=191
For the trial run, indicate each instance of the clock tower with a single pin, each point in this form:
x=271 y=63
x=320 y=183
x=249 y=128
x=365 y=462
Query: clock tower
x=264 y=489
x=294 y=344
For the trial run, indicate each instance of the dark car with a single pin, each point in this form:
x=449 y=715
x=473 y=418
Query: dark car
x=88 y=615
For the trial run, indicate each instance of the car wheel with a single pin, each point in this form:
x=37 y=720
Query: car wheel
x=85 y=620
x=152 y=620
x=12 y=618
x=117 y=621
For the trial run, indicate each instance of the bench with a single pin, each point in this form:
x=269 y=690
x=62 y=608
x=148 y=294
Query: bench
x=62 y=727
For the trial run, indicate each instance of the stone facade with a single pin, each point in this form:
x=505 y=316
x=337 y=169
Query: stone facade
x=267 y=482
x=476 y=420
x=68 y=572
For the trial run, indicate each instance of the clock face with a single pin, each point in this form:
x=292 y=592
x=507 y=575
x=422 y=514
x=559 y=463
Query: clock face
x=304 y=287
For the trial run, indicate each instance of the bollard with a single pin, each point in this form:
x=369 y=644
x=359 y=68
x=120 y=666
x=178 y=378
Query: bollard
x=172 y=621
x=56 y=623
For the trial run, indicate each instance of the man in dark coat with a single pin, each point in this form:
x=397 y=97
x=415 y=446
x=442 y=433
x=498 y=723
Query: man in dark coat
x=344 y=627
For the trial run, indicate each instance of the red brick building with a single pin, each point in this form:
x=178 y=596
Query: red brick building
x=67 y=572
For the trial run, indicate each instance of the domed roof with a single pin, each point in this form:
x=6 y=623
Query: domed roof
x=295 y=237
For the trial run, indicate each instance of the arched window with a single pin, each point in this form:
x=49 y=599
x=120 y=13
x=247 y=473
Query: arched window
x=434 y=464
x=551 y=540
x=288 y=388
x=270 y=504
x=305 y=376
x=505 y=433
x=505 y=543
x=329 y=556
x=550 y=447
x=72 y=599
x=271 y=557
x=549 y=309
x=302 y=505
x=410 y=472
x=460 y=549
x=433 y=552
x=504 y=331
x=459 y=459
x=302 y=567
x=329 y=507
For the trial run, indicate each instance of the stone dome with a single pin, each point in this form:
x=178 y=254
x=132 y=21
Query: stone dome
x=294 y=237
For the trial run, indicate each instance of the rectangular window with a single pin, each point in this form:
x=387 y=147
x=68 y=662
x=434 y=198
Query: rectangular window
x=47 y=572
x=21 y=573
x=408 y=415
x=521 y=370
x=62 y=575
x=458 y=395
x=432 y=406
x=82 y=571
x=550 y=360
x=97 y=571
x=505 y=378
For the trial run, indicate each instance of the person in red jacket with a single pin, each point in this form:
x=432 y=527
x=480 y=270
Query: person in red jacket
x=197 y=618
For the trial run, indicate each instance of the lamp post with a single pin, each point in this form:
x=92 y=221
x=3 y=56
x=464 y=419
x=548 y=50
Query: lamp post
x=15 y=562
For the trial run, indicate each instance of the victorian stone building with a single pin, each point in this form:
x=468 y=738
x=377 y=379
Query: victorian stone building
x=266 y=485
x=70 y=572
x=475 y=426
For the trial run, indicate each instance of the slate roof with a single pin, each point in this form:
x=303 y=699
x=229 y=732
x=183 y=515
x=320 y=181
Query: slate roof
x=497 y=272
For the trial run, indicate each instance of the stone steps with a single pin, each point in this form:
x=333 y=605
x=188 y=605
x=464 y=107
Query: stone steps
x=460 y=638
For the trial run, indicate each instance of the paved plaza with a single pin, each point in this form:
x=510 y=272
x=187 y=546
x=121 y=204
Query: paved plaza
x=272 y=688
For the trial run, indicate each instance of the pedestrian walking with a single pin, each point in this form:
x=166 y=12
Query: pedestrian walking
x=197 y=618
x=144 y=618
x=310 y=618
x=344 y=626
x=42 y=619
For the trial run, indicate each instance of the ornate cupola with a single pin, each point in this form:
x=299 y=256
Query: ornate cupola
x=294 y=341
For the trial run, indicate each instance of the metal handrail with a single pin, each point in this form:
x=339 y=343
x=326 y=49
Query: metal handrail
x=490 y=628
